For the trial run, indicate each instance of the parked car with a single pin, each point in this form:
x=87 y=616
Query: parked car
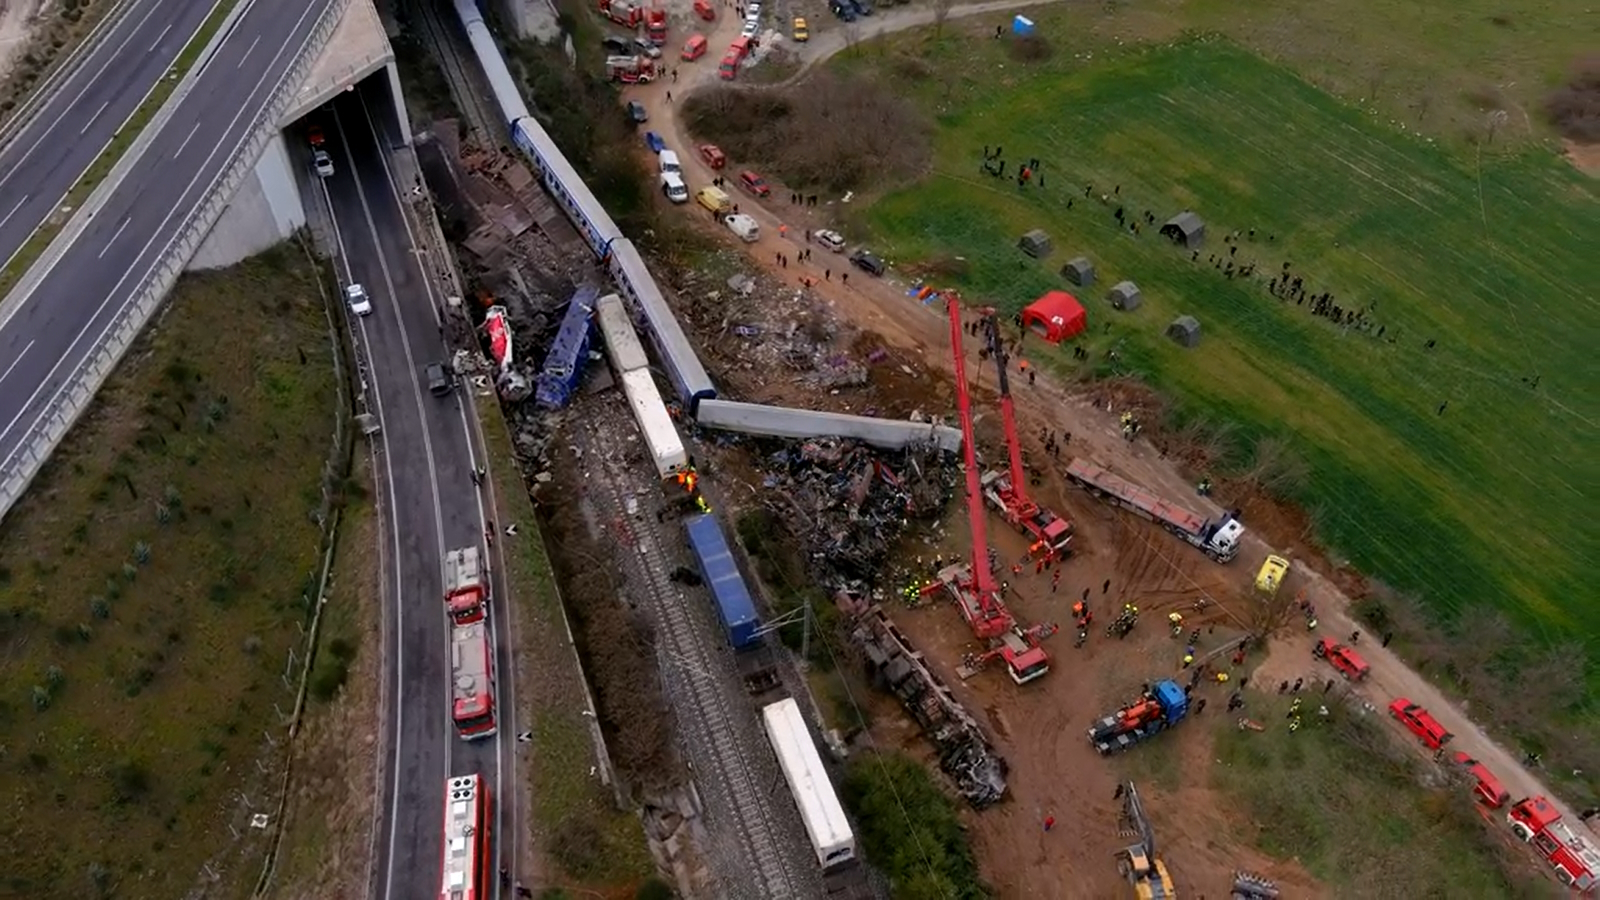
x=751 y=28
x=637 y=114
x=617 y=46
x=863 y=7
x=315 y=137
x=672 y=185
x=842 y=10
x=641 y=45
x=360 y=303
x=868 y=262
x=830 y=240
x=712 y=154
x=439 y=380
x=322 y=162
x=1421 y=723
x=801 y=32
x=668 y=161
x=654 y=142
x=754 y=183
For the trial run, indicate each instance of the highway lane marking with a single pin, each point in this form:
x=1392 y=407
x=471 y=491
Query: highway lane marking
x=251 y=49
x=506 y=679
x=90 y=124
x=433 y=477
x=238 y=114
x=114 y=237
x=160 y=37
x=504 y=685
x=186 y=140
x=13 y=211
x=14 y=362
x=94 y=79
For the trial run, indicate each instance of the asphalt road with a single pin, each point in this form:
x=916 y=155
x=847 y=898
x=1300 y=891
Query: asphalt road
x=69 y=132
x=427 y=453
x=51 y=331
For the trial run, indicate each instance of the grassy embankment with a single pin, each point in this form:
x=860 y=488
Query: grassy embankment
x=35 y=246
x=573 y=819
x=1480 y=505
x=150 y=587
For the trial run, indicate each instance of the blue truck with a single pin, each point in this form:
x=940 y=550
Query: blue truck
x=1159 y=708
x=735 y=608
x=563 y=365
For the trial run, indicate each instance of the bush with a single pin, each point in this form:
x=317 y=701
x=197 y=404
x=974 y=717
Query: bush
x=579 y=847
x=1574 y=108
x=910 y=829
x=654 y=889
x=329 y=677
x=827 y=132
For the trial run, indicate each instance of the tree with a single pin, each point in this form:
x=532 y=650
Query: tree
x=941 y=11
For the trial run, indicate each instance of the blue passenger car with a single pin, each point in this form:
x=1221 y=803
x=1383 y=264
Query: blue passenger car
x=734 y=606
x=563 y=365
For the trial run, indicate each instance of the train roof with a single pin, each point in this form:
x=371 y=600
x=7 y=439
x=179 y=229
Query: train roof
x=721 y=571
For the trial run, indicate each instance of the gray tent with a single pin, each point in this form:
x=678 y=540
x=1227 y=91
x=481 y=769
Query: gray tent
x=1079 y=271
x=1185 y=330
x=1185 y=228
x=1125 y=296
x=1035 y=243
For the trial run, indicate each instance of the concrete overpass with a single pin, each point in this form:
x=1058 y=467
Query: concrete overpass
x=268 y=207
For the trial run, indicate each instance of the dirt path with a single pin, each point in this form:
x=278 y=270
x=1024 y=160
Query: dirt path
x=882 y=306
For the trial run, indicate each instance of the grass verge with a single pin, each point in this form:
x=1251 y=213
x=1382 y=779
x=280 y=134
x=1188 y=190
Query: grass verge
x=331 y=807
x=572 y=819
x=1438 y=467
x=35 y=246
x=1341 y=798
x=151 y=583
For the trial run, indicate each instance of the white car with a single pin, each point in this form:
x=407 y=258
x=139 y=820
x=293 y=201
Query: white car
x=360 y=303
x=751 y=29
x=831 y=240
x=672 y=185
x=668 y=161
x=322 y=162
x=752 y=11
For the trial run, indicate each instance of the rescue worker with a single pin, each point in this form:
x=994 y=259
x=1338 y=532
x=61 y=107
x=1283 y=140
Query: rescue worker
x=1188 y=659
x=1176 y=619
x=1294 y=724
x=1204 y=487
x=1222 y=678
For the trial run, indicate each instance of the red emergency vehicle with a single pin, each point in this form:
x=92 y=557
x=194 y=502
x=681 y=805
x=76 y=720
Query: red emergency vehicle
x=1347 y=661
x=1490 y=791
x=1421 y=723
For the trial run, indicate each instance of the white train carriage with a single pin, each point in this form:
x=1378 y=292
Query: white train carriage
x=655 y=423
x=831 y=837
x=622 y=341
x=501 y=83
x=684 y=369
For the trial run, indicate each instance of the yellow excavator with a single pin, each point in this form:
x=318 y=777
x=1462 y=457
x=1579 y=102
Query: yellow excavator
x=1138 y=862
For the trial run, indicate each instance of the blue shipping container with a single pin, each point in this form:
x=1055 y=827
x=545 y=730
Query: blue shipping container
x=563 y=365
x=721 y=572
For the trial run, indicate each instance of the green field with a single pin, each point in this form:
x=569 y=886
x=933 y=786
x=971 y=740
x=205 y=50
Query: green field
x=151 y=583
x=1483 y=254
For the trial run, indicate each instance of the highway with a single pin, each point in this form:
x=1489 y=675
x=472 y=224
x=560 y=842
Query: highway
x=426 y=449
x=67 y=134
x=45 y=336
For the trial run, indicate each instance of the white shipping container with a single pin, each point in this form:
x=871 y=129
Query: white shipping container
x=826 y=825
x=660 y=435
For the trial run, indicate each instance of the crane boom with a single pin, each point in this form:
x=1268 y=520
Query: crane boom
x=1008 y=414
x=983 y=579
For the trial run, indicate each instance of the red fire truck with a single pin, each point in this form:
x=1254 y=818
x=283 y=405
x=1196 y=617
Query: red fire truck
x=465 y=586
x=1537 y=822
x=472 y=681
x=468 y=864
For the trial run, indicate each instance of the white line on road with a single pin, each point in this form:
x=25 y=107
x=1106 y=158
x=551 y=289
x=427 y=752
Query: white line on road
x=160 y=37
x=154 y=236
x=249 y=50
x=186 y=140
x=13 y=211
x=17 y=360
x=89 y=124
x=114 y=237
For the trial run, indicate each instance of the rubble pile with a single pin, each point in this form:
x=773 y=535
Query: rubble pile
x=965 y=753
x=849 y=504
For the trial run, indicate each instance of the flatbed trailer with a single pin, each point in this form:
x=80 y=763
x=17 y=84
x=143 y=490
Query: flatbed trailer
x=1218 y=539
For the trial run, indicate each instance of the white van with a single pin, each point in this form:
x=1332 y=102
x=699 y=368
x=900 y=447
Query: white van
x=746 y=227
x=672 y=185
x=669 y=162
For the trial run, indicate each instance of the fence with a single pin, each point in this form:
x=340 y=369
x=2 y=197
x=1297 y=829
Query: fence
x=75 y=394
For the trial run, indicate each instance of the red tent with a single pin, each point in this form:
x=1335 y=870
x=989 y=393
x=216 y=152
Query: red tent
x=1055 y=317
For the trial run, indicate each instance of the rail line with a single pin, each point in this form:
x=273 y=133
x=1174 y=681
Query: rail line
x=718 y=741
x=440 y=38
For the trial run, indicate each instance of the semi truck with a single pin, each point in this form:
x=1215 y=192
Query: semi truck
x=1158 y=709
x=1218 y=539
x=466 y=586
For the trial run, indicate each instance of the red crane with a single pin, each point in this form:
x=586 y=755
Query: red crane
x=973 y=586
x=1008 y=493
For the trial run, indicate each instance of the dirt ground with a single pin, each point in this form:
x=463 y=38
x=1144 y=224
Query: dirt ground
x=16 y=26
x=1144 y=565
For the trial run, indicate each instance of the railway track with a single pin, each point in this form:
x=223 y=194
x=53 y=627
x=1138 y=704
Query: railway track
x=717 y=726
x=442 y=38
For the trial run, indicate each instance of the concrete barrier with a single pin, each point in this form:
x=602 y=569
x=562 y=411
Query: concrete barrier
x=777 y=421
x=89 y=374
